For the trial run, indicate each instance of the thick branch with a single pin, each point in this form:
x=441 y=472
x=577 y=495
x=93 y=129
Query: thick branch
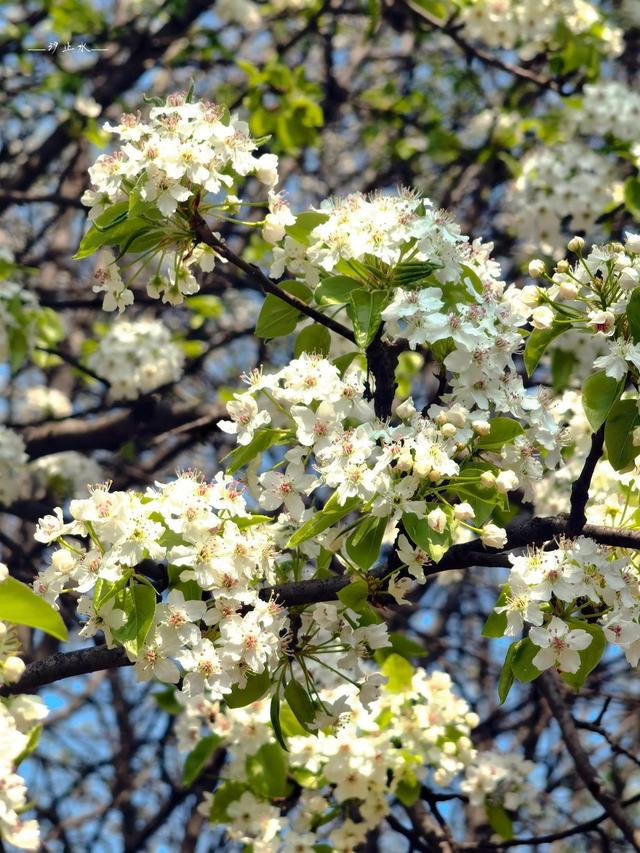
x=293 y=594
x=580 y=489
x=148 y=416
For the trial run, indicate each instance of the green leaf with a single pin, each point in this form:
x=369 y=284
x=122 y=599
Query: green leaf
x=139 y=605
x=408 y=790
x=599 y=393
x=405 y=646
x=505 y=682
x=315 y=338
x=499 y=820
x=225 y=794
x=114 y=227
x=300 y=703
x=399 y=672
x=255 y=688
x=21 y=606
x=412 y=273
x=503 y=431
x=276 y=318
x=496 y=623
x=167 y=702
x=105 y=590
x=618 y=433
x=364 y=309
x=562 y=365
x=538 y=341
x=335 y=290
x=363 y=545
x=262 y=440
x=354 y=594
x=418 y=530
x=198 y=759
x=524 y=652
x=330 y=514
x=633 y=315
x=632 y=195
x=274 y=713
x=267 y=771
x=29 y=747
x=304 y=225
x=589 y=657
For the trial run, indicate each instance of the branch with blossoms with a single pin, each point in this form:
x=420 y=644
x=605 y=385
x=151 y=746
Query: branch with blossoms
x=339 y=497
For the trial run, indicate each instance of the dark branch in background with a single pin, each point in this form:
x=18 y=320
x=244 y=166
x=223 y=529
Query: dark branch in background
x=206 y=236
x=549 y=688
x=451 y=29
x=580 y=489
x=148 y=416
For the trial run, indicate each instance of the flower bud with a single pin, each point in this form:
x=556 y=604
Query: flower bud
x=542 y=317
x=576 y=244
x=406 y=410
x=632 y=243
x=481 y=427
x=63 y=561
x=536 y=268
x=493 y=536
x=507 y=481
x=563 y=266
x=567 y=289
x=629 y=278
x=437 y=520
x=463 y=512
x=448 y=430
x=12 y=669
x=487 y=479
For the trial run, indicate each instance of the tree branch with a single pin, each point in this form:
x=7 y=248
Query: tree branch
x=204 y=235
x=580 y=489
x=549 y=688
x=452 y=30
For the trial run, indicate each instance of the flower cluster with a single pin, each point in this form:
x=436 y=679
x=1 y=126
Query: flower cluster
x=413 y=734
x=565 y=182
x=388 y=471
x=66 y=474
x=39 y=403
x=136 y=358
x=531 y=26
x=18 y=717
x=204 y=532
x=576 y=570
x=608 y=109
x=186 y=154
x=385 y=227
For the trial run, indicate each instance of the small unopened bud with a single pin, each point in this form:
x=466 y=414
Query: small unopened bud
x=536 y=268
x=576 y=244
x=567 y=289
x=437 y=520
x=507 y=481
x=463 y=511
x=448 y=430
x=563 y=266
x=481 y=427
x=542 y=317
x=12 y=669
x=487 y=479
